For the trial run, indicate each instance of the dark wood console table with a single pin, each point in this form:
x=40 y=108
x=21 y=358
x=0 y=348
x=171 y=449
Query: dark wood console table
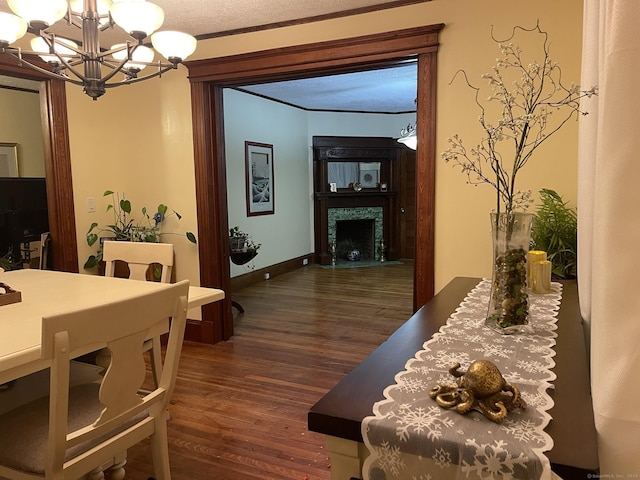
x=338 y=415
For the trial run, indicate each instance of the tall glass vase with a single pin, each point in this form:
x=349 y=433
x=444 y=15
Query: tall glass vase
x=509 y=302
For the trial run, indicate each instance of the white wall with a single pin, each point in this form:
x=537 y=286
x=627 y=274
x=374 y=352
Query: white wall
x=285 y=234
x=289 y=232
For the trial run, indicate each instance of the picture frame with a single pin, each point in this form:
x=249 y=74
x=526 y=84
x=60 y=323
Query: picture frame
x=369 y=173
x=259 y=178
x=9 y=160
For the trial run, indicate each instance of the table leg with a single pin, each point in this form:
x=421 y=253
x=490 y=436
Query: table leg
x=346 y=457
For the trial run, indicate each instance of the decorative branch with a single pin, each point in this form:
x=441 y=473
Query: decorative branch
x=527 y=94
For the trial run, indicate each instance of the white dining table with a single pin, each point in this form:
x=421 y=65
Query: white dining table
x=46 y=292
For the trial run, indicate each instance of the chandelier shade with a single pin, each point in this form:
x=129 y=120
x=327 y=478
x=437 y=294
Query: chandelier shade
x=11 y=28
x=173 y=44
x=39 y=13
x=136 y=17
x=141 y=57
x=83 y=62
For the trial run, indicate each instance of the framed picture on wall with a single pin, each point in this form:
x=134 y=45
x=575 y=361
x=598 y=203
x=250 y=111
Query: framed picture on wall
x=8 y=159
x=259 y=178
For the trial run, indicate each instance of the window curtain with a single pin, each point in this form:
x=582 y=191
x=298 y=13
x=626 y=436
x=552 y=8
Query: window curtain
x=342 y=173
x=609 y=227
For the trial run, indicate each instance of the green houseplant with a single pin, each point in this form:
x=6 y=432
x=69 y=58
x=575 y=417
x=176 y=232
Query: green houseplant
x=555 y=231
x=243 y=248
x=530 y=102
x=126 y=228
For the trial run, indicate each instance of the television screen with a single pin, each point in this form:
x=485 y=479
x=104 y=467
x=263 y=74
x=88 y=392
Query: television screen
x=23 y=212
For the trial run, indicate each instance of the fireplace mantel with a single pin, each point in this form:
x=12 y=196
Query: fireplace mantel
x=363 y=150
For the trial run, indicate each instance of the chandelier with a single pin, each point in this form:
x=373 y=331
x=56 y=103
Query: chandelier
x=86 y=63
x=408 y=136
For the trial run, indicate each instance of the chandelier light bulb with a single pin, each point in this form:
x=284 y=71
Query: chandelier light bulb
x=174 y=46
x=11 y=28
x=39 y=13
x=138 y=18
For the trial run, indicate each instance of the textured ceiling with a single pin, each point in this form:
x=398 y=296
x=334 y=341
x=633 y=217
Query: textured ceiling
x=390 y=90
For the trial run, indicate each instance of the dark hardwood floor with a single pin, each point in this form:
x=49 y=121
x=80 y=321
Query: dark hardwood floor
x=239 y=410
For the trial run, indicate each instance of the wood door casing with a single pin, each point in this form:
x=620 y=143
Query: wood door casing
x=53 y=114
x=209 y=76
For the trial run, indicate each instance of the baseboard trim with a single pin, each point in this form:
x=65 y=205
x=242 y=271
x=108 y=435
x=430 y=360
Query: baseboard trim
x=258 y=275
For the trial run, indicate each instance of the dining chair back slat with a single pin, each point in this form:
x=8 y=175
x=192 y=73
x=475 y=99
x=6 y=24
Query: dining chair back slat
x=138 y=256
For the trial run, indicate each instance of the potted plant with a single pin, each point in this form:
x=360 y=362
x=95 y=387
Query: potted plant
x=555 y=231
x=126 y=228
x=531 y=103
x=243 y=248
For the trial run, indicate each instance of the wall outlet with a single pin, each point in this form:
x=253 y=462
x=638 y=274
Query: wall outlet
x=266 y=276
x=305 y=261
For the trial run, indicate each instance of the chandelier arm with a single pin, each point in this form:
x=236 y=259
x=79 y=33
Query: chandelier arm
x=163 y=68
x=17 y=54
x=114 y=70
x=72 y=22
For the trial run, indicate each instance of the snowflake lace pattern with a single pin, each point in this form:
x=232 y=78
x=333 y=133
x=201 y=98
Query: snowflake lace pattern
x=407 y=425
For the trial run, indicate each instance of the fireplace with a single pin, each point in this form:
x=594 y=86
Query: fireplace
x=355 y=235
x=358 y=228
x=370 y=211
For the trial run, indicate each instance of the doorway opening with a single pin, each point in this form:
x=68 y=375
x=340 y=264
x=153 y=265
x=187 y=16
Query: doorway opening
x=208 y=79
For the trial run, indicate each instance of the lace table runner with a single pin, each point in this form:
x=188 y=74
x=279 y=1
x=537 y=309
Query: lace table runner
x=411 y=437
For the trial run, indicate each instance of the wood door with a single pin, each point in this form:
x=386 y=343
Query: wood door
x=407 y=203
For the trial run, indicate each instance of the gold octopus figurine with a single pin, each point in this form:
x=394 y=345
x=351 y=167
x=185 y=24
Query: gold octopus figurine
x=483 y=388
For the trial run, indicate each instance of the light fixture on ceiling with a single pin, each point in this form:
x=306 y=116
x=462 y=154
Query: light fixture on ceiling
x=408 y=136
x=84 y=64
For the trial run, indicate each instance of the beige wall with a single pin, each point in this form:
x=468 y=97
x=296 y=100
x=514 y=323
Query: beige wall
x=20 y=123
x=148 y=153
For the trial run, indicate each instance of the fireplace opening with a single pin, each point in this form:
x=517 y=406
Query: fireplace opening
x=355 y=235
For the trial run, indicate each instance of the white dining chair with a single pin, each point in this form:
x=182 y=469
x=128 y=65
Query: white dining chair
x=142 y=258
x=85 y=429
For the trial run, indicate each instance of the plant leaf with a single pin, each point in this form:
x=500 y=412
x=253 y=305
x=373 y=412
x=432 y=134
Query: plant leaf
x=91 y=262
x=125 y=205
x=91 y=239
x=191 y=237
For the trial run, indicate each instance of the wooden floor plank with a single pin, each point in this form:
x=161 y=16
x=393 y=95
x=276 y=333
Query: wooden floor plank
x=239 y=410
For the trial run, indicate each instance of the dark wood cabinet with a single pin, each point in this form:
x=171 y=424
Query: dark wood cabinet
x=364 y=171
